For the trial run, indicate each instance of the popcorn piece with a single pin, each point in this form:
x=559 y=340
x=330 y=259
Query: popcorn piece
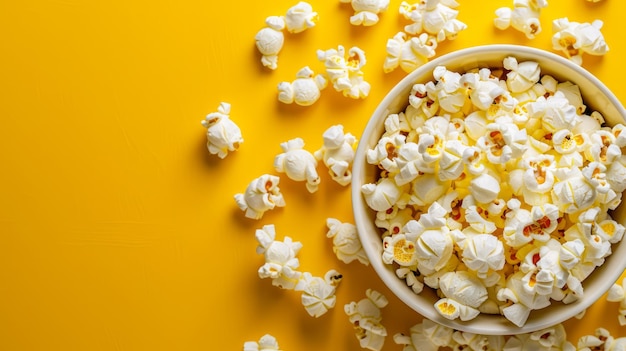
x=305 y=90
x=337 y=153
x=261 y=195
x=318 y=295
x=383 y=195
x=427 y=336
x=300 y=17
x=298 y=164
x=574 y=39
x=409 y=53
x=396 y=248
x=483 y=253
x=617 y=293
x=346 y=243
x=524 y=17
x=485 y=188
x=522 y=76
x=270 y=40
x=280 y=258
x=223 y=135
x=366 y=317
x=266 y=343
x=438 y=18
x=601 y=340
x=366 y=11
x=463 y=294
x=345 y=72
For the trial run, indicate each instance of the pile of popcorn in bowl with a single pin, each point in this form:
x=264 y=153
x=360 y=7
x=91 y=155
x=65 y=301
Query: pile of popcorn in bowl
x=487 y=188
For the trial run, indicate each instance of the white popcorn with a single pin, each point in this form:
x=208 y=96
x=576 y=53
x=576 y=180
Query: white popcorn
x=305 y=90
x=427 y=336
x=524 y=17
x=477 y=342
x=520 y=300
x=601 y=340
x=300 y=17
x=574 y=192
x=223 y=135
x=337 y=153
x=318 y=294
x=617 y=293
x=483 y=253
x=552 y=338
x=411 y=279
x=502 y=141
x=485 y=188
x=261 y=195
x=484 y=90
x=366 y=11
x=280 y=258
x=298 y=164
x=409 y=53
x=433 y=248
x=383 y=195
x=345 y=72
x=555 y=112
x=346 y=243
x=522 y=76
x=270 y=40
x=574 y=39
x=463 y=294
x=366 y=317
x=438 y=18
x=266 y=343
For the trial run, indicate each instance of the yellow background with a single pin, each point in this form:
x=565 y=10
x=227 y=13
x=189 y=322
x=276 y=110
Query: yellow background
x=118 y=229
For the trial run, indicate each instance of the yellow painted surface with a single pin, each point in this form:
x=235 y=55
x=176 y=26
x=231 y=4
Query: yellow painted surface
x=118 y=230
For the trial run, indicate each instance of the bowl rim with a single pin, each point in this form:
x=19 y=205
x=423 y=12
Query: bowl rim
x=483 y=324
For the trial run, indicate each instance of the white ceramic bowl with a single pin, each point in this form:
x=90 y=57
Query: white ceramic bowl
x=595 y=94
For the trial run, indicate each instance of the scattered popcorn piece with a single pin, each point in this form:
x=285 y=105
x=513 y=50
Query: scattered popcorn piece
x=574 y=39
x=300 y=17
x=438 y=18
x=266 y=343
x=346 y=243
x=463 y=294
x=617 y=293
x=524 y=17
x=298 y=164
x=318 y=294
x=366 y=11
x=305 y=90
x=262 y=194
x=337 y=153
x=280 y=258
x=223 y=135
x=601 y=340
x=366 y=317
x=345 y=72
x=409 y=53
x=270 y=40
x=427 y=336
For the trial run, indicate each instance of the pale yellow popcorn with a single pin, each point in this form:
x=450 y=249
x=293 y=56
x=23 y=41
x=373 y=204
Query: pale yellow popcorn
x=617 y=293
x=366 y=317
x=305 y=90
x=337 y=153
x=409 y=53
x=266 y=343
x=261 y=195
x=298 y=164
x=280 y=258
x=574 y=39
x=270 y=40
x=300 y=17
x=366 y=11
x=345 y=72
x=396 y=248
x=438 y=18
x=223 y=135
x=524 y=17
x=318 y=294
x=346 y=243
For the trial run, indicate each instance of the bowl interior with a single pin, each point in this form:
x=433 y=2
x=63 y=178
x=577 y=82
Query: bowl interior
x=595 y=95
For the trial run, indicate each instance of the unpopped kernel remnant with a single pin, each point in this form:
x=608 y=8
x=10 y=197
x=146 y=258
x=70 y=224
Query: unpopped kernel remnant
x=223 y=135
x=298 y=164
x=366 y=316
x=573 y=39
x=337 y=153
x=281 y=263
x=261 y=195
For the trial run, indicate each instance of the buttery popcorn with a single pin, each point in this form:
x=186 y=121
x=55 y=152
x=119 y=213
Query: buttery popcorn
x=366 y=317
x=574 y=39
x=346 y=243
x=298 y=164
x=337 y=153
x=494 y=189
x=266 y=343
x=269 y=41
x=524 y=17
x=223 y=135
x=366 y=11
x=280 y=258
x=305 y=90
x=345 y=72
x=318 y=294
x=261 y=195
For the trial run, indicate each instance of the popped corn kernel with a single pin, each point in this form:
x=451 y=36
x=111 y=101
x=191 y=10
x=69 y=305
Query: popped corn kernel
x=617 y=293
x=266 y=343
x=305 y=90
x=280 y=258
x=346 y=243
x=270 y=40
x=261 y=195
x=318 y=294
x=337 y=153
x=344 y=72
x=426 y=335
x=366 y=316
x=298 y=164
x=366 y=11
x=438 y=18
x=524 y=17
x=300 y=17
x=574 y=39
x=601 y=340
x=223 y=135
x=409 y=53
